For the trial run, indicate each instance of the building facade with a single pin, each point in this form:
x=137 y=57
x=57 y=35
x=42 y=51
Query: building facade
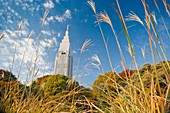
x=64 y=60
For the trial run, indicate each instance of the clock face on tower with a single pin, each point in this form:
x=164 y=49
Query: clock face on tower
x=63 y=61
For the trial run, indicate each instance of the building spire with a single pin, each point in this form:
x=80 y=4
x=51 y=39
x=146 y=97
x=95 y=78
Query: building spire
x=66 y=33
x=67 y=27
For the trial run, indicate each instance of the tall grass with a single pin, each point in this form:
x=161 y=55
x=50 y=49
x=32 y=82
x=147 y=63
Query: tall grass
x=110 y=95
x=134 y=104
x=21 y=98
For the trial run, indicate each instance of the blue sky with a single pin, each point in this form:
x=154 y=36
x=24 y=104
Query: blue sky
x=80 y=17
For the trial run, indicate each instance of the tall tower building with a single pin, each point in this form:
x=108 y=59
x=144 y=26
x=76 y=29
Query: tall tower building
x=64 y=60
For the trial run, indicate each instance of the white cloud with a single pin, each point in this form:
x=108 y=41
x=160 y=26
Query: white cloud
x=12 y=33
x=32 y=9
x=85 y=20
x=38 y=7
x=9 y=21
x=76 y=10
x=12 y=11
x=49 y=4
x=26 y=23
x=9 y=8
x=51 y=18
x=17 y=3
x=59 y=34
x=58 y=1
x=66 y=15
x=25 y=6
x=59 y=19
x=16 y=14
x=27 y=50
x=15 y=33
x=48 y=42
x=53 y=32
x=74 y=52
x=23 y=33
x=55 y=40
x=45 y=43
x=46 y=32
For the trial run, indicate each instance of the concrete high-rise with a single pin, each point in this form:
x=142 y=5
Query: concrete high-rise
x=64 y=60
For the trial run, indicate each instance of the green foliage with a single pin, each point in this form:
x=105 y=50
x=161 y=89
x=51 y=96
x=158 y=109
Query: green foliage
x=53 y=85
x=106 y=92
x=51 y=93
x=55 y=93
x=106 y=82
x=7 y=76
x=61 y=88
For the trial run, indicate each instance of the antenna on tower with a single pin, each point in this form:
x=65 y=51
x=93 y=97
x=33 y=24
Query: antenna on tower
x=66 y=33
x=67 y=27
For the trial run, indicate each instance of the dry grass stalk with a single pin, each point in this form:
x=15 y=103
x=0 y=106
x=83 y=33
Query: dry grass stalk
x=166 y=28
x=97 y=108
x=146 y=14
x=156 y=5
x=132 y=51
x=133 y=17
x=152 y=20
x=167 y=7
x=45 y=16
x=2 y=35
x=143 y=52
x=125 y=29
x=30 y=35
x=103 y=17
x=22 y=61
x=153 y=17
x=92 y=5
x=96 y=58
x=96 y=65
x=20 y=25
x=36 y=73
x=129 y=50
x=86 y=44
x=162 y=17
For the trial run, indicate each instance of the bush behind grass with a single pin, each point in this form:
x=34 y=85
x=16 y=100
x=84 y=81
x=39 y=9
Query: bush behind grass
x=54 y=93
x=49 y=93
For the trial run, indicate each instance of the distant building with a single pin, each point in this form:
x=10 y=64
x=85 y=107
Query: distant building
x=64 y=60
